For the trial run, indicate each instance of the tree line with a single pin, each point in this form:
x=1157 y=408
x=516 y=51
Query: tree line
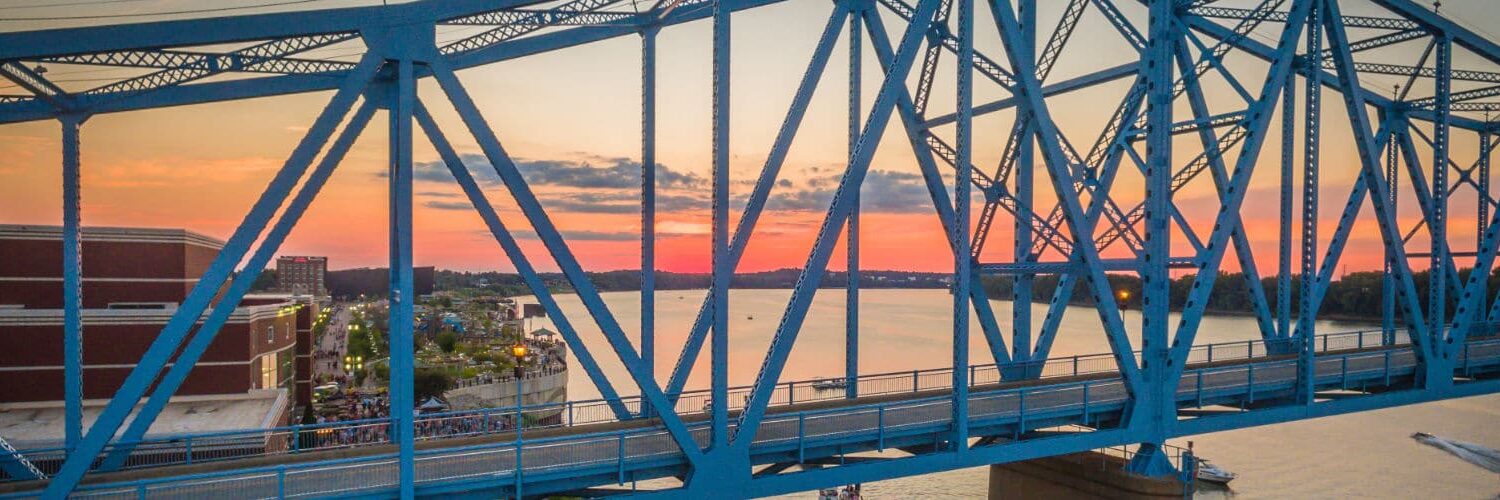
x=1355 y=296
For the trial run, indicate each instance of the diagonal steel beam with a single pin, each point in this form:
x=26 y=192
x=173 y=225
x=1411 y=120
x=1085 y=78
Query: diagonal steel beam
x=936 y=190
x=756 y=203
x=187 y=314
x=551 y=238
x=838 y=213
x=239 y=286
x=518 y=259
x=1369 y=153
x=1234 y=192
x=1063 y=181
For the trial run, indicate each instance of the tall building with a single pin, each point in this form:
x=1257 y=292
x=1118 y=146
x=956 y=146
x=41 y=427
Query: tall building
x=302 y=275
x=133 y=281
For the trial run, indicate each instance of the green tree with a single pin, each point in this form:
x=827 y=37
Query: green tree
x=448 y=342
x=428 y=382
x=265 y=281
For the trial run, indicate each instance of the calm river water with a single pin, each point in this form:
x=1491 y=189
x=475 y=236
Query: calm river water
x=1359 y=455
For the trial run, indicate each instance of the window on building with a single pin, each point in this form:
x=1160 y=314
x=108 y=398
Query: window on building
x=268 y=369
x=271 y=333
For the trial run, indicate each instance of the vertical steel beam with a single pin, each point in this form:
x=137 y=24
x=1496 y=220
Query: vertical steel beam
x=851 y=298
x=1307 y=313
x=187 y=314
x=1483 y=166
x=1437 y=221
x=72 y=257
x=1156 y=405
x=1388 y=279
x=962 y=185
x=402 y=297
x=648 y=204
x=1022 y=285
x=1288 y=167
x=723 y=270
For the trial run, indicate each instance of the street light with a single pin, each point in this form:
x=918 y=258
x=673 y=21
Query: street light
x=519 y=351
x=1124 y=298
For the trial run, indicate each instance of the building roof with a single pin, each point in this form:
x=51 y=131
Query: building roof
x=40 y=425
x=114 y=234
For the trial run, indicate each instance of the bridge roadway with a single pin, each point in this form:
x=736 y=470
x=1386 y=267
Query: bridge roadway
x=590 y=455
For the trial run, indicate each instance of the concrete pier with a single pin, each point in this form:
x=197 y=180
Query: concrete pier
x=1090 y=475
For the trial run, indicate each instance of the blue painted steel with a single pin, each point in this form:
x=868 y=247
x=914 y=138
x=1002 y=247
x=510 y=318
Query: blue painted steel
x=760 y=193
x=1388 y=280
x=1437 y=220
x=1313 y=122
x=156 y=356
x=851 y=297
x=723 y=272
x=72 y=258
x=402 y=297
x=1289 y=135
x=1368 y=149
x=1022 y=284
x=243 y=281
x=506 y=169
x=648 y=204
x=1063 y=182
x=1244 y=253
x=522 y=265
x=1260 y=113
x=273 y=58
x=962 y=258
x=935 y=187
x=838 y=212
x=1155 y=406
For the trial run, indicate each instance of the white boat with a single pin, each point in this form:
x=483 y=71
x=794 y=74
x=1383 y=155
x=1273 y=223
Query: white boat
x=1481 y=456
x=1211 y=473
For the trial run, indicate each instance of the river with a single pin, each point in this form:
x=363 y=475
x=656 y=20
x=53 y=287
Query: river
x=1367 y=454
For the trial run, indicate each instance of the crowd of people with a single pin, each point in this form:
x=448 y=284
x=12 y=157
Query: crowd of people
x=329 y=358
x=367 y=414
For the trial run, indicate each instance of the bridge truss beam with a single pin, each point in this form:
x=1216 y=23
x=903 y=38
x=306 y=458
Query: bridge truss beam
x=1182 y=46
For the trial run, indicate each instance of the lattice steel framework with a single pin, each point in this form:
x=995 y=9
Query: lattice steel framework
x=1182 y=45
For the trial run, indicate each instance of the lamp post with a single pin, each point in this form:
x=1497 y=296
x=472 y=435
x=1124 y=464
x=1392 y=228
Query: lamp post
x=1124 y=299
x=519 y=351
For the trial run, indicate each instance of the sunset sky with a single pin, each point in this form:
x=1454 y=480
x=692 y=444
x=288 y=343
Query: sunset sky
x=571 y=119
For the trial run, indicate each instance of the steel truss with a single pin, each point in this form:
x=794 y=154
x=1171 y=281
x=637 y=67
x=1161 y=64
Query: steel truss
x=1182 y=46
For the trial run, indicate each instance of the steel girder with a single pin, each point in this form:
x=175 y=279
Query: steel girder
x=1070 y=230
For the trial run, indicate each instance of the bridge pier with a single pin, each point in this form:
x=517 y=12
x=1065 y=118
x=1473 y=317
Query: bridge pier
x=1089 y=474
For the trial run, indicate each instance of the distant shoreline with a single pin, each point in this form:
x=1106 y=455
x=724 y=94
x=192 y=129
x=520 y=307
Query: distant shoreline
x=1336 y=318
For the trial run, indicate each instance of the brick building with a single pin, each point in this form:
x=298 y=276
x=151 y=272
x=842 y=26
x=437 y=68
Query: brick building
x=133 y=280
x=302 y=275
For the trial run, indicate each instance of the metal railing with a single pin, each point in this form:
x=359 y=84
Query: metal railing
x=872 y=424
x=181 y=449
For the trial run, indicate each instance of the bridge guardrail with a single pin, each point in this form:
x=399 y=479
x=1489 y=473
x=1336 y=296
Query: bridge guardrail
x=229 y=445
x=616 y=450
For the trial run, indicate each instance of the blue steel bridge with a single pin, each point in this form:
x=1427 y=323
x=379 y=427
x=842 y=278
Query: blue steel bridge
x=1193 y=106
x=476 y=451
